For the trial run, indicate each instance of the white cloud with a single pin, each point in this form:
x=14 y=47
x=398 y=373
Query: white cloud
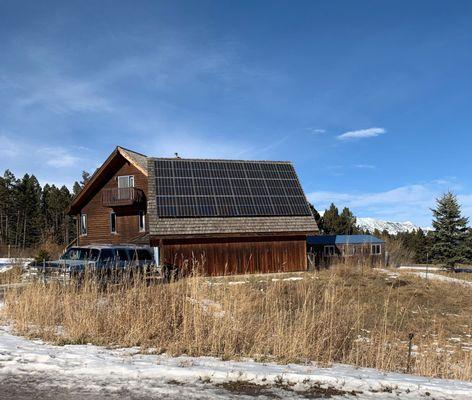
x=8 y=147
x=58 y=157
x=62 y=95
x=364 y=166
x=362 y=133
x=409 y=202
x=316 y=131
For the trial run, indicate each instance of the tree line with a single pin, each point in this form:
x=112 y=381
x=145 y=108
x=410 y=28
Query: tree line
x=31 y=214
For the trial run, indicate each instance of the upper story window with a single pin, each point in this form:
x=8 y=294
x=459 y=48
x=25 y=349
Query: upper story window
x=376 y=249
x=329 y=251
x=126 y=181
x=83 y=224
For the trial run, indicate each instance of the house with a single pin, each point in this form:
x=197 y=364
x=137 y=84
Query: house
x=325 y=250
x=221 y=216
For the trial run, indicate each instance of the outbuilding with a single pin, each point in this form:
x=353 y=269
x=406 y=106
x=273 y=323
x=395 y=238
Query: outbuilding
x=326 y=250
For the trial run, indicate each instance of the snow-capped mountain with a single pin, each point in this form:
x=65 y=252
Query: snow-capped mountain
x=393 y=228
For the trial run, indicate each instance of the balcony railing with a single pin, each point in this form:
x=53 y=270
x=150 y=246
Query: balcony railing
x=121 y=197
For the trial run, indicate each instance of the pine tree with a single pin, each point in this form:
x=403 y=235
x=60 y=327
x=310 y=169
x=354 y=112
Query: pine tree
x=331 y=220
x=450 y=231
x=347 y=222
x=318 y=217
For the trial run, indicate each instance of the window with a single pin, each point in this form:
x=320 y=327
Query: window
x=126 y=181
x=112 y=222
x=329 y=251
x=376 y=249
x=107 y=256
x=142 y=221
x=122 y=254
x=81 y=254
x=349 y=250
x=83 y=224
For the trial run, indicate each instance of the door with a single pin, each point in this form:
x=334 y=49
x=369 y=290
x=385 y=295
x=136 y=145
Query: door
x=125 y=185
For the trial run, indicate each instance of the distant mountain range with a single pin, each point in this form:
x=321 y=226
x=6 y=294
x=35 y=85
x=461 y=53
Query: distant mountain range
x=393 y=228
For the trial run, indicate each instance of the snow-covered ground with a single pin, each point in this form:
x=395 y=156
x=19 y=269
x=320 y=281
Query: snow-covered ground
x=437 y=277
x=422 y=273
x=8 y=263
x=129 y=373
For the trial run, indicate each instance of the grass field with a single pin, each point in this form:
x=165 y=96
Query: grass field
x=12 y=275
x=457 y=275
x=359 y=317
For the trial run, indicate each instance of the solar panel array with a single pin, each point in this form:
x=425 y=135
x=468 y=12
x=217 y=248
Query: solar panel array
x=214 y=188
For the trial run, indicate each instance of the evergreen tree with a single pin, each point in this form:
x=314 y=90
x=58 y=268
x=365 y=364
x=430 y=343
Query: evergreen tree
x=339 y=224
x=85 y=178
x=450 y=231
x=318 y=217
x=30 y=214
x=347 y=222
x=331 y=224
x=76 y=188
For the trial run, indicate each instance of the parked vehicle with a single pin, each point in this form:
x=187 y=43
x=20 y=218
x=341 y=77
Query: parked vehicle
x=105 y=260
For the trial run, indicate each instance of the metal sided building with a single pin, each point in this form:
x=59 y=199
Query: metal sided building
x=220 y=216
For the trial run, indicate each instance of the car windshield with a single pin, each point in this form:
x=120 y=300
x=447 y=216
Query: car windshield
x=81 y=254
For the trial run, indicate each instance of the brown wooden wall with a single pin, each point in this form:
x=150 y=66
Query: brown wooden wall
x=236 y=255
x=98 y=216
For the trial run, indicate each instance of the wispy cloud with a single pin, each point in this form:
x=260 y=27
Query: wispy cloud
x=409 y=202
x=8 y=148
x=59 y=157
x=361 y=133
x=63 y=95
x=316 y=131
x=364 y=166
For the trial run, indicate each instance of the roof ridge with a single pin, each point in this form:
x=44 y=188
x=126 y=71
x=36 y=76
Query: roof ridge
x=132 y=151
x=219 y=160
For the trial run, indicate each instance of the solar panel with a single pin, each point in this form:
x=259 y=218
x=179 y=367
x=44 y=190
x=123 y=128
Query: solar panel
x=219 y=188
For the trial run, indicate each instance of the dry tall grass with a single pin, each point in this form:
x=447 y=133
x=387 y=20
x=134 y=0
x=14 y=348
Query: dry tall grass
x=12 y=275
x=348 y=316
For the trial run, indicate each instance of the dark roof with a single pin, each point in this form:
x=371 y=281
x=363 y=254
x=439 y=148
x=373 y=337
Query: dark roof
x=342 y=239
x=199 y=197
x=226 y=188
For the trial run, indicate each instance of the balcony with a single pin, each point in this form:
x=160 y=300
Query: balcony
x=122 y=197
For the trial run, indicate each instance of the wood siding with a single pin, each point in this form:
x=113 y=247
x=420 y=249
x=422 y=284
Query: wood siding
x=235 y=255
x=127 y=217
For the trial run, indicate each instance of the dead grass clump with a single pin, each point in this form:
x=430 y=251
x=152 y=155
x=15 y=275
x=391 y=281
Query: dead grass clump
x=12 y=275
x=346 y=315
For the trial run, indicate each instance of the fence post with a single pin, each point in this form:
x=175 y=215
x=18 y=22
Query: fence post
x=410 y=340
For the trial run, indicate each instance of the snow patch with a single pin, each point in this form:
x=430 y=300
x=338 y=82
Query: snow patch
x=87 y=364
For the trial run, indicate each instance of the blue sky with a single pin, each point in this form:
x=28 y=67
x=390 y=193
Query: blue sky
x=370 y=100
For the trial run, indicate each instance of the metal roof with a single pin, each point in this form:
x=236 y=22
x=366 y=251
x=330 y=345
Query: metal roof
x=343 y=239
